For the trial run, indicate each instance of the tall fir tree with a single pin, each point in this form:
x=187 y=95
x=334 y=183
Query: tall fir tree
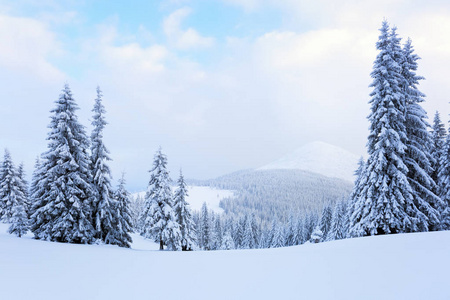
x=35 y=188
x=270 y=235
x=256 y=229
x=217 y=233
x=137 y=208
x=184 y=215
x=356 y=212
x=13 y=197
x=424 y=208
x=311 y=220
x=290 y=232
x=63 y=195
x=278 y=237
x=387 y=193
x=121 y=223
x=205 y=225
x=298 y=233
x=325 y=221
x=444 y=185
x=7 y=185
x=248 y=239
x=338 y=227
x=159 y=217
x=24 y=185
x=19 y=218
x=438 y=135
x=104 y=204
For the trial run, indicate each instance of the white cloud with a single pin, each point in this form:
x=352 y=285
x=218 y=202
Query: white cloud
x=260 y=98
x=136 y=57
x=248 y=5
x=184 y=39
x=26 y=46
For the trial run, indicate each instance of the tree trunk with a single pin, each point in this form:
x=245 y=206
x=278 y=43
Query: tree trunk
x=161 y=245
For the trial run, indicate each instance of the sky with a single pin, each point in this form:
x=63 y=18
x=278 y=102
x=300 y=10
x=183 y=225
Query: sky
x=220 y=85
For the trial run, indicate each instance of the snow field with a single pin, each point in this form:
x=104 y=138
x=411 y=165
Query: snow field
x=404 y=266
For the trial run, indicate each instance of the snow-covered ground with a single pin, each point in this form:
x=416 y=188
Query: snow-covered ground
x=200 y=194
x=407 y=266
x=319 y=157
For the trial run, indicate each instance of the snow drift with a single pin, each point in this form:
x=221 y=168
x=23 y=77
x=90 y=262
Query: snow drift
x=404 y=266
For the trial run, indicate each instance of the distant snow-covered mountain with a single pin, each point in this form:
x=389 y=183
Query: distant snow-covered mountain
x=319 y=157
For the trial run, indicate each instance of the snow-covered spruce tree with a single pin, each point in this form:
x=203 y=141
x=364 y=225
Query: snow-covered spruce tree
x=62 y=199
x=227 y=241
x=196 y=216
x=23 y=185
x=8 y=186
x=248 y=240
x=19 y=218
x=103 y=206
x=278 y=237
x=316 y=236
x=184 y=215
x=239 y=229
x=270 y=233
x=160 y=222
x=337 y=229
x=290 y=232
x=425 y=214
x=355 y=212
x=298 y=232
x=205 y=225
x=444 y=185
x=263 y=239
x=438 y=135
x=387 y=195
x=217 y=234
x=137 y=208
x=256 y=229
x=325 y=221
x=311 y=220
x=12 y=197
x=121 y=223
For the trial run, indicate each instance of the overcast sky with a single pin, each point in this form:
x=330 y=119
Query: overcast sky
x=221 y=85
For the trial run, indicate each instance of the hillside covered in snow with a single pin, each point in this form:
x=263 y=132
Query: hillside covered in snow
x=402 y=266
x=279 y=194
x=319 y=157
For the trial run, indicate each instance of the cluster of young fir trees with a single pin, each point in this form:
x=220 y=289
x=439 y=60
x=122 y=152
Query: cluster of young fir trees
x=208 y=230
x=224 y=232
x=70 y=198
x=166 y=217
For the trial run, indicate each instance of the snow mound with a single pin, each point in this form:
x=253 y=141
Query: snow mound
x=319 y=157
x=402 y=266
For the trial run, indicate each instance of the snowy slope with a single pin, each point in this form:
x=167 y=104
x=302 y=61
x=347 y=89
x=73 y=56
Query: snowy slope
x=319 y=157
x=197 y=195
x=408 y=266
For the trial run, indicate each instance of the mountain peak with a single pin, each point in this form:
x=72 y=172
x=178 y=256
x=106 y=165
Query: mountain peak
x=319 y=157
